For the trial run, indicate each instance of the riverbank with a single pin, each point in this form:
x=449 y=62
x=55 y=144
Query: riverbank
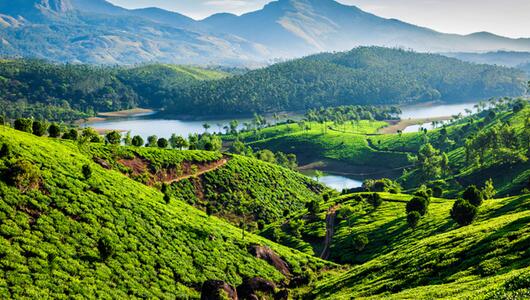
x=135 y=112
x=396 y=126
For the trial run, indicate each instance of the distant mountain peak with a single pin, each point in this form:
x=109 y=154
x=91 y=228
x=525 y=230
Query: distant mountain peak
x=59 y=6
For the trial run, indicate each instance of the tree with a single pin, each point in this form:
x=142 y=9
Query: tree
x=419 y=204
x=24 y=124
x=266 y=155
x=413 y=218
x=162 y=143
x=90 y=135
x=5 y=151
x=463 y=212
x=431 y=162
x=137 y=141
x=206 y=126
x=489 y=189
x=473 y=195
x=177 y=142
x=233 y=126
x=318 y=174
x=113 y=137
x=238 y=147
x=24 y=175
x=87 y=171
x=39 y=128
x=152 y=141
x=54 y=130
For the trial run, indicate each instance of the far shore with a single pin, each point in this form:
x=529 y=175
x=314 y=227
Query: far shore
x=126 y=113
x=396 y=126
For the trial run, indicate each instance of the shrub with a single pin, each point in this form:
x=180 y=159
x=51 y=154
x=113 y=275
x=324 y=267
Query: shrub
x=39 y=128
x=162 y=143
x=90 y=135
x=418 y=204
x=489 y=191
x=437 y=191
x=113 y=137
x=72 y=134
x=137 y=141
x=25 y=125
x=152 y=140
x=413 y=218
x=54 y=131
x=381 y=185
x=375 y=200
x=463 y=212
x=359 y=242
x=87 y=171
x=473 y=195
x=106 y=248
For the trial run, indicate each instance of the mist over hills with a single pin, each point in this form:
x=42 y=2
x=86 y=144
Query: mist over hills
x=100 y=32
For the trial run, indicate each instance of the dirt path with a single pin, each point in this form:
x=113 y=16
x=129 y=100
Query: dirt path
x=330 y=230
x=202 y=170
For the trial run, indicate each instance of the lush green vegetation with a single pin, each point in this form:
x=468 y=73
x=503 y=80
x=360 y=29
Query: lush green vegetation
x=34 y=88
x=366 y=75
x=69 y=227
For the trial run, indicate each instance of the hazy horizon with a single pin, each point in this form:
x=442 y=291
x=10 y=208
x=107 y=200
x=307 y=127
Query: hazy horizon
x=449 y=16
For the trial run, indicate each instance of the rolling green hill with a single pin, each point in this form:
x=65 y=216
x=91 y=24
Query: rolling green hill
x=486 y=260
x=70 y=227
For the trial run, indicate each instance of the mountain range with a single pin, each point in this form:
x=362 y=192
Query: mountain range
x=96 y=31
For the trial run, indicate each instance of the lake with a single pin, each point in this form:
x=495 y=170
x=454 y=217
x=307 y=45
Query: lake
x=339 y=183
x=431 y=110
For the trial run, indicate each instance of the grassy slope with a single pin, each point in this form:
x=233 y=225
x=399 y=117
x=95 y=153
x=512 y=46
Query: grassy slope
x=438 y=259
x=349 y=145
x=49 y=237
x=244 y=187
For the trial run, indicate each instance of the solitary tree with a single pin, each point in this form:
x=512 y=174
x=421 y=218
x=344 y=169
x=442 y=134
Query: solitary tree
x=54 y=131
x=113 y=137
x=418 y=204
x=162 y=143
x=464 y=212
x=24 y=124
x=178 y=142
x=39 y=128
x=152 y=141
x=137 y=141
x=473 y=195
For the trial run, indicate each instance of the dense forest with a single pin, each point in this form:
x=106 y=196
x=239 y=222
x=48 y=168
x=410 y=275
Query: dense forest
x=377 y=76
x=366 y=75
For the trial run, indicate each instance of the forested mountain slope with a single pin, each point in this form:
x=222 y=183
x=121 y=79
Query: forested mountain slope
x=71 y=228
x=366 y=75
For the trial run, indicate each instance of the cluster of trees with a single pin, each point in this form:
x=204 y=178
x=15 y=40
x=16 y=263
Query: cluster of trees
x=465 y=209
x=285 y=160
x=499 y=144
x=355 y=113
x=432 y=162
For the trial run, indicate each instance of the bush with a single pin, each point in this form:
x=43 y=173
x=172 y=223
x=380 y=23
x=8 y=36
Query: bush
x=418 y=204
x=5 y=151
x=39 y=128
x=54 y=131
x=137 y=141
x=473 y=195
x=25 y=125
x=106 y=248
x=87 y=171
x=313 y=207
x=413 y=218
x=381 y=185
x=162 y=143
x=463 y=212
x=359 y=242
x=375 y=200
x=152 y=141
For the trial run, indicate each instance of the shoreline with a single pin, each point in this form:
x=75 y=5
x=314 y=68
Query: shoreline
x=402 y=124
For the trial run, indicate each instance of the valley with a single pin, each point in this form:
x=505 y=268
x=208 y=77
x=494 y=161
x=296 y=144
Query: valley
x=272 y=150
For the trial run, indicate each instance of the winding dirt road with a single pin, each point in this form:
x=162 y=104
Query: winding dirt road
x=202 y=170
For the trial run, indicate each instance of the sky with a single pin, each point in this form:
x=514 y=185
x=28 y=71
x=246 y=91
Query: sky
x=504 y=17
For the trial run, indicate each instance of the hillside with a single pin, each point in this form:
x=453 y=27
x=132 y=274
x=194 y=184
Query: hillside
x=43 y=90
x=233 y=187
x=362 y=76
x=486 y=260
x=66 y=232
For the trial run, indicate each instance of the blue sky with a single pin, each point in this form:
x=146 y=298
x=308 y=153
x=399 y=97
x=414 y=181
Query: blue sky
x=504 y=17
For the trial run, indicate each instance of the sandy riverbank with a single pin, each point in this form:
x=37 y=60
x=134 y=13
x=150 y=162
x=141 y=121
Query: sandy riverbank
x=402 y=124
